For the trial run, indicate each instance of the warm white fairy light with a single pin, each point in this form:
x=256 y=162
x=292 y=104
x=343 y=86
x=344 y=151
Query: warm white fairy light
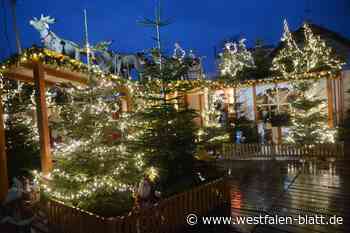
x=307 y=60
x=300 y=62
x=235 y=58
x=212 y=114
x=317 y=129
x=152 y=173
x=112 y=158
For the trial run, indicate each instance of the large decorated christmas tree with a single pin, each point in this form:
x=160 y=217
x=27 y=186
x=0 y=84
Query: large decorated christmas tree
x=93 y=168
x=302 y=64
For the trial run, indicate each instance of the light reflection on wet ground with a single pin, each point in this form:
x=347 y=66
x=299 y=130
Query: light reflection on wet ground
x=288 y=189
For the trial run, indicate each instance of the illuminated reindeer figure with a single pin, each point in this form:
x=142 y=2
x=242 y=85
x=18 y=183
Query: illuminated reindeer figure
x=52 y=41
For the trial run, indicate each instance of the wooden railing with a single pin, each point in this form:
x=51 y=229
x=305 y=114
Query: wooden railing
x=284 y=151
x=168 y=216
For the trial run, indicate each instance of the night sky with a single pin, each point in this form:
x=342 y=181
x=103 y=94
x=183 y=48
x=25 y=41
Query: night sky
x=197 y=25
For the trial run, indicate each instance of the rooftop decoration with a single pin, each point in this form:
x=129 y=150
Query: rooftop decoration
x=117 y=63
x=51 y=58
x=234 y=59
x=52 y=41
x=311 y=57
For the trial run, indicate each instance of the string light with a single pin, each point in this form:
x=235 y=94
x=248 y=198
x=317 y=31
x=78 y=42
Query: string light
x=235 y=58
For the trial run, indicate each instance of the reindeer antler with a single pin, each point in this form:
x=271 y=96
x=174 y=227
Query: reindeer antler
x=47 y=19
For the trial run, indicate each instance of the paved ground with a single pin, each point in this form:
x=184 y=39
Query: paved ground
x=286 y=189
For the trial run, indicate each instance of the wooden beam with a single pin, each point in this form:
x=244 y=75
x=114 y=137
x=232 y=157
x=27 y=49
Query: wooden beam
x=330 y=103
x=3 y=161
x=65 y=75
x=256 y=116
x=19 y=77
x=43 y=121
x=25 y=78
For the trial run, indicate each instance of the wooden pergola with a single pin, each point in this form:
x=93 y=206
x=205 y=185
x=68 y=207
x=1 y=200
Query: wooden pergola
x=40 y=75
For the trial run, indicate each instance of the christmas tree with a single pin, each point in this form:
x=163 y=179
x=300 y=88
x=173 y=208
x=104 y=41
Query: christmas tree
x=262 y=62
x=22 y=141
x=235 y=59
x=93 y=168
x=307 y=60
x=302 y=64
x=309 y=117
x=244 y=130
x=215 y=130
x=167 y=131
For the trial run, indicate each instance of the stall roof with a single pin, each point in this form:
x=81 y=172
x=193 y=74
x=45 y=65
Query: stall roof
x=57 y=67
x=24 y=72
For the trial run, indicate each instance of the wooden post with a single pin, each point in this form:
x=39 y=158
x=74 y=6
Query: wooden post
x=234 y=103
x=341 y=99
x=200 y=108
x=254 y=104
x=43 y=121
x=330 y=103
x=3 y=161
x=186 y=102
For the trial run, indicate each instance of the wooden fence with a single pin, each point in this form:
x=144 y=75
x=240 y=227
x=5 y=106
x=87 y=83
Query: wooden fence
x=166 y=217
x=282 y=151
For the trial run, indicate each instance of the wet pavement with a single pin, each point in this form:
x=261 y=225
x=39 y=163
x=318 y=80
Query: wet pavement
x=286 y=189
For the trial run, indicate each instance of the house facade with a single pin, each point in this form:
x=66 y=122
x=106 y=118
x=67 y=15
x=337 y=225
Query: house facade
x=259 y=99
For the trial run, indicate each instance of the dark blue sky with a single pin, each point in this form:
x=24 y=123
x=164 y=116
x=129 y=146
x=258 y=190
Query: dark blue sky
x=197 y=25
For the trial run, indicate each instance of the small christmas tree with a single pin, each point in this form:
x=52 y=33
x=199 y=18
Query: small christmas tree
x=309 y=117
x=215 y=130
x=242 y=124
x=299 y=63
